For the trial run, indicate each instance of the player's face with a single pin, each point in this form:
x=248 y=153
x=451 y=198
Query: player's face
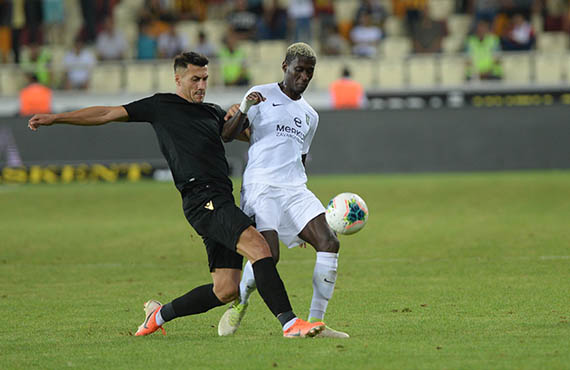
x=193 y=83
x=298 y=74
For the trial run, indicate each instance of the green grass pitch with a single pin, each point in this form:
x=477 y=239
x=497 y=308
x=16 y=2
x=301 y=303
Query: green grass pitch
x=453 y=271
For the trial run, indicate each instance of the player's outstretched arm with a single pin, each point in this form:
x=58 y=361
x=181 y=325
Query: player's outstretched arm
x=91 y=116
x=245 y=134
x=238 y=122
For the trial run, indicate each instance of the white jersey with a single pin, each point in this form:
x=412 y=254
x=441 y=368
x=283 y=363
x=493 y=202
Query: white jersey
x=282 y=130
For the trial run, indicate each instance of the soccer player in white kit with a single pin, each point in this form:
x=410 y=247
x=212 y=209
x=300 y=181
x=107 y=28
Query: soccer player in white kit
x=274 y=189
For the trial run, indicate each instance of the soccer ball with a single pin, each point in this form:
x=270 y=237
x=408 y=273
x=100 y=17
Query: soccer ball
x=347 y=213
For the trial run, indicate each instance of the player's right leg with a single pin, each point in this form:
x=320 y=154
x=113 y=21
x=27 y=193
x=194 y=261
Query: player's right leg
x=322 y=238
x=231 y=319
x=253 y=246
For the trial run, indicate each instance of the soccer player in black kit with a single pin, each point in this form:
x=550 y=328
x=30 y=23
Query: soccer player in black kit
x=189 y=133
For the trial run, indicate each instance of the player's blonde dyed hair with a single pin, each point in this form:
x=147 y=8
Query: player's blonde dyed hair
x=299 y=49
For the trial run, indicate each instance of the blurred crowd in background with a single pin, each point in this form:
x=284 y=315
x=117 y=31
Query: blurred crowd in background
x=28 y=29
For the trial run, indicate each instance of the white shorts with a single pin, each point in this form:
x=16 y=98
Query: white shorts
x=285 y=210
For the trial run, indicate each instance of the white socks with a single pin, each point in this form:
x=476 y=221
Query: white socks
x=247 y=283
x=158 y=318
x=289 y=323
x=324 y=279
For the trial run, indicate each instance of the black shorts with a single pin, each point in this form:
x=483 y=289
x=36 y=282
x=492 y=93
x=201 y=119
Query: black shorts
x=216 y=218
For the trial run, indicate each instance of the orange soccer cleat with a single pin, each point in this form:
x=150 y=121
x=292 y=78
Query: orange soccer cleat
x=149 y=325
x=303 y=329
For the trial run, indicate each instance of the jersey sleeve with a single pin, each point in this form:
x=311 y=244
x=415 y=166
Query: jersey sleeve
x=220 y=114
x=142 y=110
x=310 y=135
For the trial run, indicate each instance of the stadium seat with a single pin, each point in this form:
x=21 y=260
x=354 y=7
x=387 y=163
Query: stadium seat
x=106 y=78
x=516 y=68
x=73 y=21
x=140 y=78
x=390 y=73
x=328 y=70
x=57 y=56
x=125 y=15
x=263 y=72
x=395 y=47
x=345 y=10
x=452 y=71
x=440 y=10
x=552 y=42
x=272 y=50
x=458 y=24
x=394 y=26
x=165 y=76
x=537 y=23
x=421 y=71
x=548 y=68
x=215 y=32
x=362 y=70
x=250 y=49
x=388 y=5
x=131 y=33
x=453 y=44
x=12 y=80
x=189 y=30
x=566 y=67
x=216 y=77
x=133 y=4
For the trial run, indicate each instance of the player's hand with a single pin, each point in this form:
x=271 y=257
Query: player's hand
x=231 y=112
x=41 y=120
x=255 y=98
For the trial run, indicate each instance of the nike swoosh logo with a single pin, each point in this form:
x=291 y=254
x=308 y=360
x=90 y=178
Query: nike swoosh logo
x=328 y=281
x=276 y=105
x=148 y=318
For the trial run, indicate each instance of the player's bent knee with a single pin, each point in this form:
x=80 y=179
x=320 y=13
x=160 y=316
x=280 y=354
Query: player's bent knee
x=227 y=293
x=331 y=245
x=252 y=245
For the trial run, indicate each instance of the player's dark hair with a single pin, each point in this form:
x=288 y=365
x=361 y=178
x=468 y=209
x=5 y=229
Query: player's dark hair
x=182 y=60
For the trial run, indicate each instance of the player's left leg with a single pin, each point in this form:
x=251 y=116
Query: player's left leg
x=224 y=289
x=225 y=268
x=203 y=298
x=318 y=233
x=231 y=319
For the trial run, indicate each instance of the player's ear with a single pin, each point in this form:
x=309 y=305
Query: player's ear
x=284 y=66
x=177 y=79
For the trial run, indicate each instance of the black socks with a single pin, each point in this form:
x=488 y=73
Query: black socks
x=271 y=289
x=198 y=300
x=201 y=299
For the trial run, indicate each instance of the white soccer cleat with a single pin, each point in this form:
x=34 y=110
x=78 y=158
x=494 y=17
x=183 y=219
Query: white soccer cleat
x=328 y=332
x=231 y=319
x=331 y=333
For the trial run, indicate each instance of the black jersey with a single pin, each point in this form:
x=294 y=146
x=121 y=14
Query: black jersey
x=189 y=137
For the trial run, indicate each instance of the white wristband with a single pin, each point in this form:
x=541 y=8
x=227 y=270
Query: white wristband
x=245 y=105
